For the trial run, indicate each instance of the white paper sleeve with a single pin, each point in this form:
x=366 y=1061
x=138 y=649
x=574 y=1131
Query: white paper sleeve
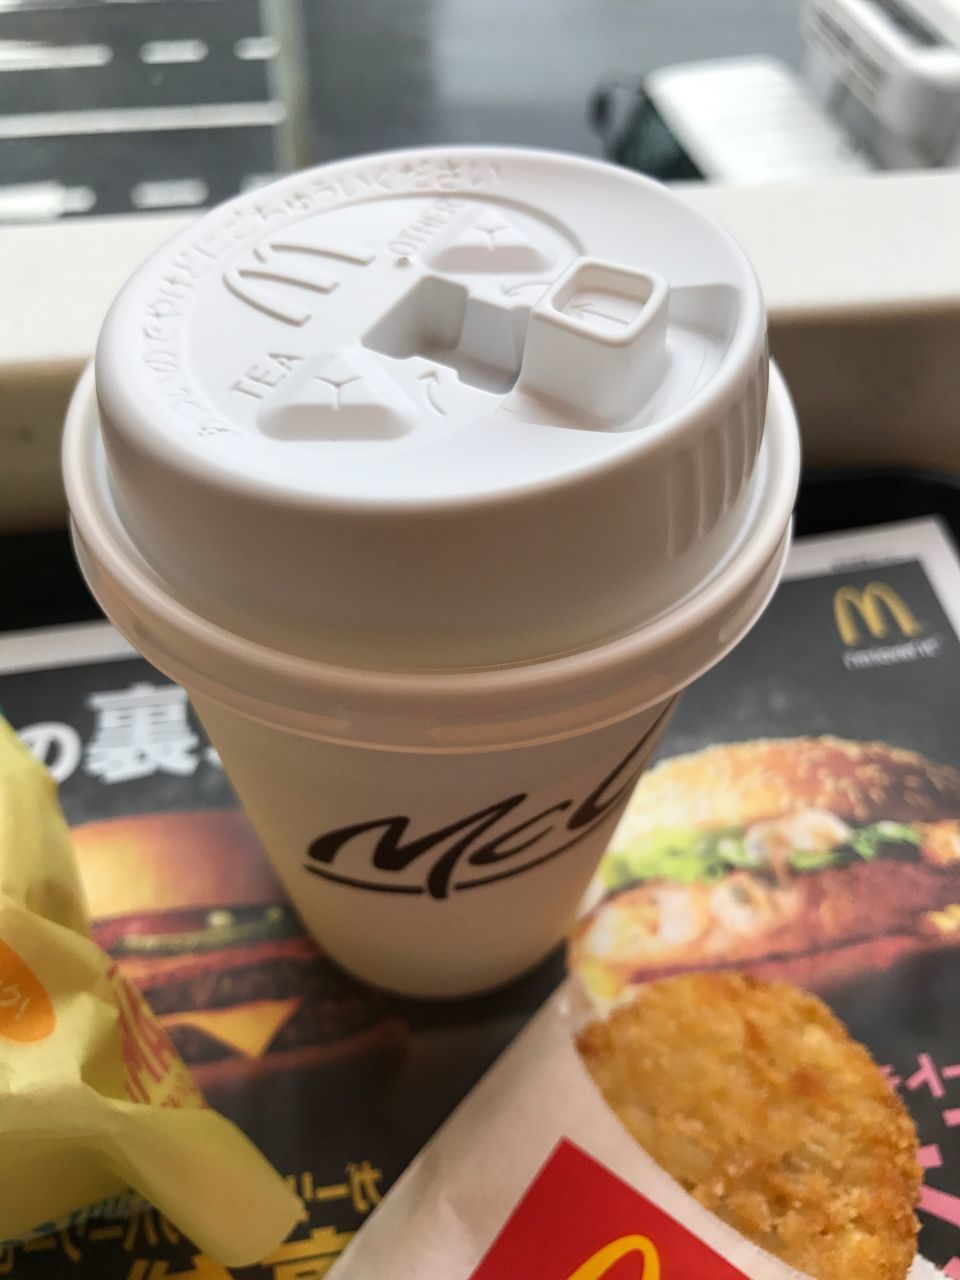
x=445 y=1212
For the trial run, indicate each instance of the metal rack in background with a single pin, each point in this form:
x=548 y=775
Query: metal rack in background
x=152 y=105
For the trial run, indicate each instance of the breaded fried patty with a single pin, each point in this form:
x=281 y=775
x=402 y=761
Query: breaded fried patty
x=754 y=1097
x=817 y=859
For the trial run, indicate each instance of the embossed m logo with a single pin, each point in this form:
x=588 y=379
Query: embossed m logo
x=264 y=278
x=877 y=605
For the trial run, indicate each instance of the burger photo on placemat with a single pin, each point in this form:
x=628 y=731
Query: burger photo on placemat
x=188 y=906
x=809 y=859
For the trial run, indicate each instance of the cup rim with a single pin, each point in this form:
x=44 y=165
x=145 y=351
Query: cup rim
x=556 y=696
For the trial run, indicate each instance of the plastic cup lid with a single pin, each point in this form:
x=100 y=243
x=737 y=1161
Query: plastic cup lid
x=436 y=409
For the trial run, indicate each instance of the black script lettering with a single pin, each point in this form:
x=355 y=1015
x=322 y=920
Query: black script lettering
x=392 y=854
x=596 y=803
x=473 y=840
x=495 y=850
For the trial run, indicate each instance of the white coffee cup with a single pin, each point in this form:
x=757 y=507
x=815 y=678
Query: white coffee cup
x=433 y=477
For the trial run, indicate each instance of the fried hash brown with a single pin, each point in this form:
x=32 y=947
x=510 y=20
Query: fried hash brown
x=754 y=1097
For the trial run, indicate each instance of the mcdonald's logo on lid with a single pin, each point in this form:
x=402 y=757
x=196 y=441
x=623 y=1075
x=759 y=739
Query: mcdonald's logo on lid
x=876 y=607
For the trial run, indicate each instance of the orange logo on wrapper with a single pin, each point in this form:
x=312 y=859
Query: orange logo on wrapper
x=627 y=1246
x=578 y=1221
x=26 y=1013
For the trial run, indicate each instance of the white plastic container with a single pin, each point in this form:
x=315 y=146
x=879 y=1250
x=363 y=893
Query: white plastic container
x=434 y=476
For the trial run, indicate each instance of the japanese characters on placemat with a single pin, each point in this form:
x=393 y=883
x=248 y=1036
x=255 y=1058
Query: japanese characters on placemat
x=854 y=672
x=134 y=733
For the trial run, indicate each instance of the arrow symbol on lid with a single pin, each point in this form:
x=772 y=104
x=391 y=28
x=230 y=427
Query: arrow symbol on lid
x=431 y=381
x=584 y=309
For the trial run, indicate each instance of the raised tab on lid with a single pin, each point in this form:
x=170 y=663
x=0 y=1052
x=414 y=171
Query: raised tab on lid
x=596 y=341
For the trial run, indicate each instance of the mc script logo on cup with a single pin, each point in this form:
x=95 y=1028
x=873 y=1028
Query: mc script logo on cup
x=481 y=848
x=434 y=477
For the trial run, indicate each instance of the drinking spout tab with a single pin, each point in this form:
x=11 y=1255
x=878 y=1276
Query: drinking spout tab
x=596 y=341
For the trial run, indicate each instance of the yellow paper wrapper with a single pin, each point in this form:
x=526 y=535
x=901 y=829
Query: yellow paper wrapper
x=94 y=1101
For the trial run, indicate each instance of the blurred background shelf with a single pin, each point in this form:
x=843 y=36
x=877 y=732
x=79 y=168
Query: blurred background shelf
x=110 y=107
x=121 y=119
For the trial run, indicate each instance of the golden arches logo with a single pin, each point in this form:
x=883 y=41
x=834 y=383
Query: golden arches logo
x=876 y=604
x=599 y=1265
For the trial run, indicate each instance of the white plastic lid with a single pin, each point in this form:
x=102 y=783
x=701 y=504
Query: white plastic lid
x=437 y=409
